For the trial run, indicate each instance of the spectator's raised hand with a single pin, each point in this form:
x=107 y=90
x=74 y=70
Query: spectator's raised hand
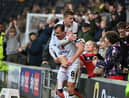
x=70 y=62
x=14 y=22
x=10 y=24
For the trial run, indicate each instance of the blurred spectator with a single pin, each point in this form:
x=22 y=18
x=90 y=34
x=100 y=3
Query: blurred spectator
x=113 y=22
x=13 y=43
x=25 y=11
x=121 y=12
x=36 y=8
x=79 y=2
x=98 y=32
x=112 y=9
x=104 y=28
x=2 y=33
x=69 y=6
x=45 y=33
x=101 y=28
x=2 y=27
x=124 y=42
x=21 y=23
x=34 y=50
x=41 y=27
x=113 y=17
x=111 y=62
x=88 y=16
x=87 y=33
x=102 y=47
x=96 y=14
x=80 y=21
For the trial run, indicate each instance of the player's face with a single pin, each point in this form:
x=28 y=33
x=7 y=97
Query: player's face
x=69 y=19
x=58 y=33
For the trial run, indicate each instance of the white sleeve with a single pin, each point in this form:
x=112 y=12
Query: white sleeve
x=75 y=27
x=53 y=48
x=52 y=53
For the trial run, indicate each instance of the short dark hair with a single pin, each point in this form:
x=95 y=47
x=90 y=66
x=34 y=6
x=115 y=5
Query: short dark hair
x=112 y=36
x=32 y=33
x=61 y=26
x=68 y=12
x=121 y=25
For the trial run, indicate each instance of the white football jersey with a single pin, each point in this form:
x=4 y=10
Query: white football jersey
x=53 y=48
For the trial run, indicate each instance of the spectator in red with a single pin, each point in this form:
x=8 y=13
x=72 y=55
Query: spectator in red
x=86 y=58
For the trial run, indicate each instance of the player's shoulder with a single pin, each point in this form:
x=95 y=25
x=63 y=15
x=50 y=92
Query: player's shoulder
x=75 y=23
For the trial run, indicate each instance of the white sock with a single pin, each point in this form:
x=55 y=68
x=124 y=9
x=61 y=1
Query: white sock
x=60 y=84
x=60 y=78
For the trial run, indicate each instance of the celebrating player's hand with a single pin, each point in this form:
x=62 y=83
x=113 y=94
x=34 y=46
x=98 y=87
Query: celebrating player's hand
x=70 y=62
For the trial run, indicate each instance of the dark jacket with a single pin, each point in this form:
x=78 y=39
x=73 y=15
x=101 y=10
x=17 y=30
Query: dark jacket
x=98 y=34
x=124 y=42
x=86 y=35
x=34 y=52
x=45 y=35
x=111 y=62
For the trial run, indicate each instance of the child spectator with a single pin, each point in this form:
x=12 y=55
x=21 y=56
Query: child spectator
x=86 y=58
x=102 y=47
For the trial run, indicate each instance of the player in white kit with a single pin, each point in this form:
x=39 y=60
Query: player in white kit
x=72 y=51
x=70 y=27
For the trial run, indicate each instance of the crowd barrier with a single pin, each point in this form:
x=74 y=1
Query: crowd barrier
x=39 y=82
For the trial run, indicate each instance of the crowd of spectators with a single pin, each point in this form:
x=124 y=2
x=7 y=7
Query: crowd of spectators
x=102 y=24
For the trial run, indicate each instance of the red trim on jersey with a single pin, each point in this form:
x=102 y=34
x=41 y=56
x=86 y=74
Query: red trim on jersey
x=88 y=63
